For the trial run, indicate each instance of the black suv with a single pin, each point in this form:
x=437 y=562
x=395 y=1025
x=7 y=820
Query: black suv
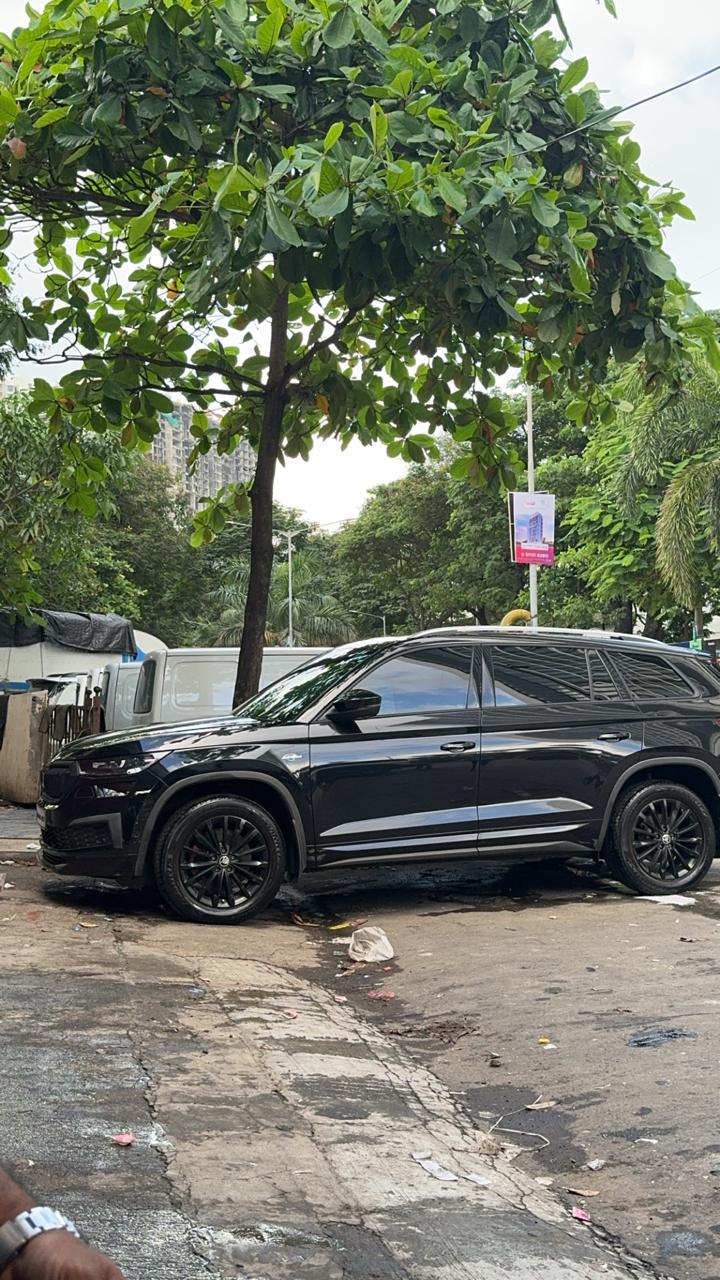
x=462 y=743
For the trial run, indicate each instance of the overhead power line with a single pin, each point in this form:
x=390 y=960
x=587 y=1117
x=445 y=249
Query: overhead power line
x=613 y=112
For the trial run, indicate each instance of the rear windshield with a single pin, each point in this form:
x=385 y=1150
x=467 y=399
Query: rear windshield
x=290 y=697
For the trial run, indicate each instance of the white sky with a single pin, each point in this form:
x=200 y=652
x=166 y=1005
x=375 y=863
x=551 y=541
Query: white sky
x=648 y=48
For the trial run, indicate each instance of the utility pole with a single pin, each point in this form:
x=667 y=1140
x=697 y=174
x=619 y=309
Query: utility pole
x=531 y=489
x=289 y=535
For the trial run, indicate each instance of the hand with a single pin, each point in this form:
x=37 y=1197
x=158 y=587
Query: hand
x=57 y=1255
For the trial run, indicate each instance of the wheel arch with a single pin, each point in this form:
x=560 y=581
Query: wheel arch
x=697 y=775
x=259 y=787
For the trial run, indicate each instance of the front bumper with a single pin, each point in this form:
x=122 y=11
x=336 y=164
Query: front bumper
x=87 y=829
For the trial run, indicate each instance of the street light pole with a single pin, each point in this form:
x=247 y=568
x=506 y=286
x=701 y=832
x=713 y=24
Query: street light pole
x=291 y=629
x=531 y=489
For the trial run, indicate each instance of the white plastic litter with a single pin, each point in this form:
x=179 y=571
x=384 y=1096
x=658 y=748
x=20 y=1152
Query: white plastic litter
x=33 y=847
x=669 y=899
x=370 y=944
x=432 y=1167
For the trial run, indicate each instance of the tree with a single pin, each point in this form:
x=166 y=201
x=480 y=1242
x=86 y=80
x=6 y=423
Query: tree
x=427 y=550
x=50 y=554
x=149 y=528
x=391 y=205
x=318 y=616
x=674 y=449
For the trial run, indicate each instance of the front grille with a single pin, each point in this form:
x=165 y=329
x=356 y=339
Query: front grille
x=57 y=780
x=95 y=835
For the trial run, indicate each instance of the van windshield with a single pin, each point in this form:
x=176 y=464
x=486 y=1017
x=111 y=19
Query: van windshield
x=290 y=697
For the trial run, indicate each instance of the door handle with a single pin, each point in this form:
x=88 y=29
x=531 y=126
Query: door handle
x=457 y=746
x=614 y=737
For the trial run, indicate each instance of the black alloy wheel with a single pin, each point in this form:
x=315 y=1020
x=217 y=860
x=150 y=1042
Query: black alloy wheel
x=667 y=839
x=220 y=860
x=662 y=838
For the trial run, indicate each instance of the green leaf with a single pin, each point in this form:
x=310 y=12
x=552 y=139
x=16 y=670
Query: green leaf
x=451 y=192
x=51 y=117
x=544 y=211
x=379 y=125
x=331 y=205
x=8 y=106
x=269 y=30
x=501 y=241
x=109 y=111
x=422 y=203
x=340 y=29
x=231 y=17
x=333 y=134
x=279 y=223
x=575 y=73
x=139 y=226
x=659 y=263
x=574 y=175
x=159 y=38
x=71 y=136
x=371 y=34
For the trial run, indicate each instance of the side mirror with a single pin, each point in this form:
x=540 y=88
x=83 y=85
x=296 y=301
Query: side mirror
x=360 y=704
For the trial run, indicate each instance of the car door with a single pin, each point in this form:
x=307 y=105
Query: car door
x=402 y=783
x=556 y=730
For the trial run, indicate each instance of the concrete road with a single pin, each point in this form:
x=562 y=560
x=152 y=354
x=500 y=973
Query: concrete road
x=275 y=1124
x=491 y=962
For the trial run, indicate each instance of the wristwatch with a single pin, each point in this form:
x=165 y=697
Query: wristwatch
x=20 y=1231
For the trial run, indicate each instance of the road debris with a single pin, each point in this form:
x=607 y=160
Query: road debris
x=424 y=1159
x=290 y=1013
x=595 y=1165
x=346 y=924
x=7 y=862
x=124 y=1139
x=544 y=1182
x=381 y=995
x=33 y=847
x=656 y=1036
x=668 y=899
x=446 y=1032
x=370 y=945
x=521 y=1133
x=581 y=1214
x=543 y=1040
x=583 y=1193
x=541 y=1105
x=478 y=1179
x=652 y=1142
x=340 y=999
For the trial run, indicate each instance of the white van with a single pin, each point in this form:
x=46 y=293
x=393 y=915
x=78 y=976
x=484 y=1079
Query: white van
x=193 y=684
x=119 y=682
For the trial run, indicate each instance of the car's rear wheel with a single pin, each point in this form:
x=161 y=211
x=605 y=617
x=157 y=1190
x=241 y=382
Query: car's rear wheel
x=662 y=838
x=220 y=860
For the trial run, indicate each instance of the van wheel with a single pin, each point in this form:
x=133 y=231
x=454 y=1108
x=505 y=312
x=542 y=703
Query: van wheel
x=219 y=860
x=662 y=838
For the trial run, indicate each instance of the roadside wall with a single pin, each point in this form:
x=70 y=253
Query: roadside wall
x=21 y=754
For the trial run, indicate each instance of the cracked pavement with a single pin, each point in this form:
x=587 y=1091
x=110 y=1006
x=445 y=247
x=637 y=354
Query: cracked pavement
x=275 y=1126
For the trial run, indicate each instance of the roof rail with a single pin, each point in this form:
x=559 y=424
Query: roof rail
x=591 y=633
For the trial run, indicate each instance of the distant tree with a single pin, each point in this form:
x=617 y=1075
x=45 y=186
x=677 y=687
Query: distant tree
x=318 y=616
x=675 y=452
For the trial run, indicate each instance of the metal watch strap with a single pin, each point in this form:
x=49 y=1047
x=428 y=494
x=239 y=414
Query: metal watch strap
x=20 y=1231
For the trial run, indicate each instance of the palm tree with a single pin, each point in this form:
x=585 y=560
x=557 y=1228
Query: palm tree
x=675 y=442
x=318 y=617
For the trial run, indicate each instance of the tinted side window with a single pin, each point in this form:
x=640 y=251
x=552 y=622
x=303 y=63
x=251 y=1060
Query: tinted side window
x=648 y=675
x=528 y=675
x=700 y=675
x=604 y=688
x=144 y=692
x=435 y=678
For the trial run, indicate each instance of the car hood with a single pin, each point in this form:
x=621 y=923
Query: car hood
x=160 y=737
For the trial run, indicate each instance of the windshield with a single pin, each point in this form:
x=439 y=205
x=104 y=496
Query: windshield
x=290 y=697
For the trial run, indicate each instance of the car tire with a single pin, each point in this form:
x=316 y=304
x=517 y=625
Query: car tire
x=639 y=850
x=219 y=860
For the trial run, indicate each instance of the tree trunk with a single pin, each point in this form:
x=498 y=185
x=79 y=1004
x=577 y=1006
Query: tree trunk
x=261 y=502
x=699 y=620
x=653 y=627
x=625 y=619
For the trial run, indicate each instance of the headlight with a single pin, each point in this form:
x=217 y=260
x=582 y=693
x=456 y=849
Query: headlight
x=112 y=765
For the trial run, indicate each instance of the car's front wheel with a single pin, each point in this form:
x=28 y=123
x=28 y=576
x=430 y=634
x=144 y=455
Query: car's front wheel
x=662 y=838
x=219 y=860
